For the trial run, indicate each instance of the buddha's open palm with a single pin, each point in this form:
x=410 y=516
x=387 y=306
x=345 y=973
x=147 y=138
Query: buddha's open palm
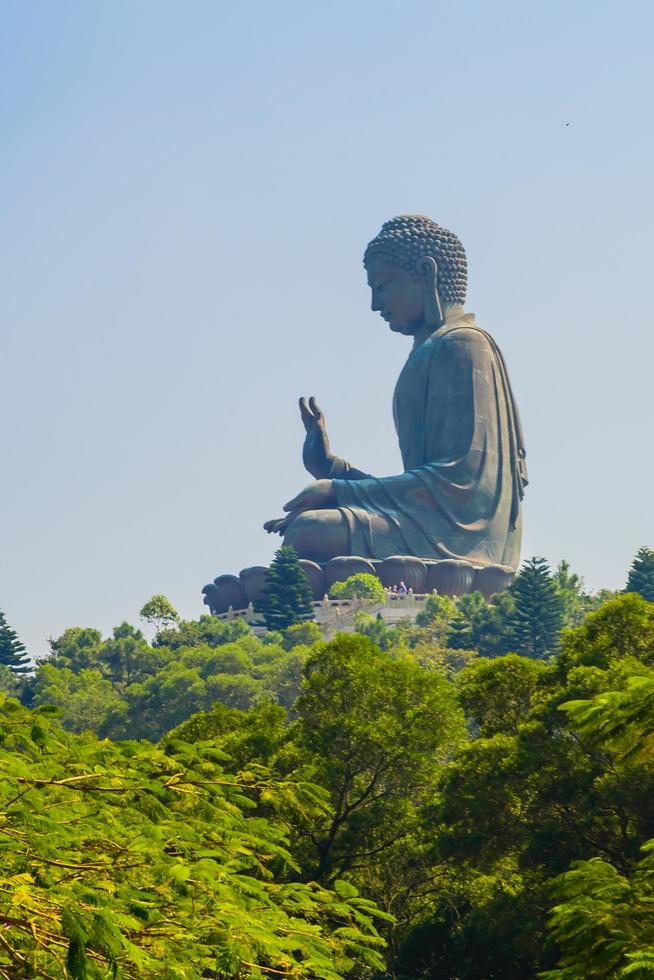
x=315 y=452
x=315 y=496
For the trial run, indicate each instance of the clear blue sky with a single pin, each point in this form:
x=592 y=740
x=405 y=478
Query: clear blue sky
x=187 y=189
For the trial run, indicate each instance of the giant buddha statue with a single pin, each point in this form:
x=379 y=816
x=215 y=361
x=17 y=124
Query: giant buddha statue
x=463 y=453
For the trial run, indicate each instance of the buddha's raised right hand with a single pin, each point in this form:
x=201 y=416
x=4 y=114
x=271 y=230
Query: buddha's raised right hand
x=315 y=452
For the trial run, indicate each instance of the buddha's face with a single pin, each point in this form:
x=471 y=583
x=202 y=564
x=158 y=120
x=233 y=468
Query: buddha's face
x=397 y=295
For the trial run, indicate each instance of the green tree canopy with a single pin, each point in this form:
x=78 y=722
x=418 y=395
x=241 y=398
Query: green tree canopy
x=482 y=625
x=535 y=791
x=359 y=586
x=207 y=630
x=358 y=764
x=576 y=601
x=603 y=922
x=77 y=648
x=376 y=730
x=497 y=694
x=641 y=574
x=604 y=919
x=12 y=651
x=301 y=634
x=127 y=860
x=123 y=687
x=11 y=683
x=86 y=699
x=159 y=613
x=437 y=614
x=537 y=618
x=622 y=628
x=287 y=597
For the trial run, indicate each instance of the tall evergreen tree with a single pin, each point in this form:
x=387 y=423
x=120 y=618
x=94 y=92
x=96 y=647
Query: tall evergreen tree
x=12 y=651
x=287 y=598
x=538 y=616
x=641 y=574
x=576 y=601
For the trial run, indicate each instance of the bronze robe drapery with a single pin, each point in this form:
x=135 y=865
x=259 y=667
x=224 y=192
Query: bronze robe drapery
x=463 y=455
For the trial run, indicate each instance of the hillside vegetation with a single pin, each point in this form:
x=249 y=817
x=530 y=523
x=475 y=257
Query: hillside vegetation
x=469 y=796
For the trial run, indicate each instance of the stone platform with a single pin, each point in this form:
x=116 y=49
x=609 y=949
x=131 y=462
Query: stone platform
x=422 y=576
x=339 y=615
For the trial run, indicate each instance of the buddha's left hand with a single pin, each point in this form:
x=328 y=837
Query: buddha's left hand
x=278 y=525
x=314 y=497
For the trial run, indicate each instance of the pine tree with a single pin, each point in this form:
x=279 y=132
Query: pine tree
x=12 y=651
x=287 y=598
x=459 y=635
x=641 y=574
x=538 y=616
x=576 y=601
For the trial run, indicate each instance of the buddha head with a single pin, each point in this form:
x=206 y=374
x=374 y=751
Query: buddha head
x=415 y=270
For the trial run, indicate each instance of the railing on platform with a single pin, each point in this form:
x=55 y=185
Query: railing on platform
x=330 y=612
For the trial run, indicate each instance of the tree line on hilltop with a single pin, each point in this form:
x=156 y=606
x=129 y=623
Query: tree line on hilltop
x=464 y=796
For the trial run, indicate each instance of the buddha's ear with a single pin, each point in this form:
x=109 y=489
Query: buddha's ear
x=428 y=272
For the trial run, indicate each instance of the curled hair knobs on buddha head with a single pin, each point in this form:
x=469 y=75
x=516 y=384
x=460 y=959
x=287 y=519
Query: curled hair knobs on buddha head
x=410 y=237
